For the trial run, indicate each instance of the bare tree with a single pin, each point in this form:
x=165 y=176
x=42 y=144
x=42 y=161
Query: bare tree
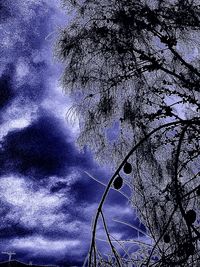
x=132 y=69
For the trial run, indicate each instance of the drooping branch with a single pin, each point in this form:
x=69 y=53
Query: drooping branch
x=187 y=123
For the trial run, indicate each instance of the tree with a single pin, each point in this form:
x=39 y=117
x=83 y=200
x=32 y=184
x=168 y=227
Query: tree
x=132 y=69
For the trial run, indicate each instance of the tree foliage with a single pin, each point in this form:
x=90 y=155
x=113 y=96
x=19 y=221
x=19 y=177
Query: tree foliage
x=133 y=71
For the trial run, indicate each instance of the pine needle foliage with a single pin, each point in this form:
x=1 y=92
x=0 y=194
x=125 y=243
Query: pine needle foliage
x=133 y=69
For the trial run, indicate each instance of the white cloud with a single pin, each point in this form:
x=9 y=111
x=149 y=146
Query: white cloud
x=8 y=126
x=36 y=207
x=22 y=69
x=16 y=117
x=41 y=244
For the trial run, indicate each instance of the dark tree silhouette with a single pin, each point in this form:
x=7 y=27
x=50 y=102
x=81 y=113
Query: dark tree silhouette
x=133 y=71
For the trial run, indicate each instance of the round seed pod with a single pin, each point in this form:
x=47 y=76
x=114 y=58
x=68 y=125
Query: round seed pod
x=166 y=238
x=127 y=168
x=191 y=216
x=118 y=182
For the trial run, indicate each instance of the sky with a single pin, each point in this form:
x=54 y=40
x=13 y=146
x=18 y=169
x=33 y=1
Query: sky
x=47 y=199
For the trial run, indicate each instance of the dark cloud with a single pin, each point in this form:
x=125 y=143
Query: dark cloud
x=6 y=87
x=10 y=225
x=12 y=230
x=5 y=12
x=86 y=191
x=41 y=149
x=58 y=186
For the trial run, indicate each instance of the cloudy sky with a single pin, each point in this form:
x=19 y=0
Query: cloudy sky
x=47 y=199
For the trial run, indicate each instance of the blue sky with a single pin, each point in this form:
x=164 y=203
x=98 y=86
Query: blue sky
x=47 y=199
